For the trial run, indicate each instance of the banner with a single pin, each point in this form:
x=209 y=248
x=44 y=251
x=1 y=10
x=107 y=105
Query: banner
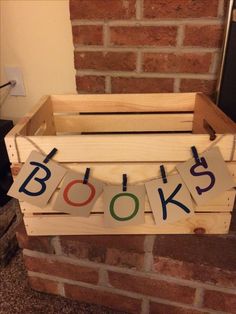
x=204 y=177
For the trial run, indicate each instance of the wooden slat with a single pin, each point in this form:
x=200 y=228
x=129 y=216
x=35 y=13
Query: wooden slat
x=124 y=123
x=124 y=102
x=219 y=121
x=99 y=206
x=122 y=148
x=137 y=172
x=215 y=223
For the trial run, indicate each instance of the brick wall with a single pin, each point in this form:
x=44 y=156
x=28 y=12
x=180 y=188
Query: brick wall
x=141 y=46
x=136 y=274
x=126 y=46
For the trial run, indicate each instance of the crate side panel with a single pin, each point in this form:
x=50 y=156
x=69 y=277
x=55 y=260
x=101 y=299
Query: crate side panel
x=123 y=123
x=122 y=148
x=218 y=120
x=124 y=102
x=214 y=223
x=99 y=207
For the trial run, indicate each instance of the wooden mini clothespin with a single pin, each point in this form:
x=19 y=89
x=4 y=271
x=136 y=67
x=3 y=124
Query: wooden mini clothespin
x=50 y=155
x=124 y=183
x=163 y=173
x=86 y=176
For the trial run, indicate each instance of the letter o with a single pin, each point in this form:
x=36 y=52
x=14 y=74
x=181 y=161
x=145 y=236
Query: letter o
x=112 y=210
x=66 y=191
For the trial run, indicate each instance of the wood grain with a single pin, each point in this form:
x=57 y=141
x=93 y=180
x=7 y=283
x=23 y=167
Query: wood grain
x=124 y=102
x=122 y=148
x=214 y=223
x=123 y=123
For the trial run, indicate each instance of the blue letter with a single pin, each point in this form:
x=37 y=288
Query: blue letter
x=171 y=200
x=41 y=181
x=203 y=163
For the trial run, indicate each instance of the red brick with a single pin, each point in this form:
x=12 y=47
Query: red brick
x=180 y=8
x=209 y=250
x=220 y=301
x=61 y=269
x=161 y=308
x=87 y=34
x=90 y=84
x=152 y=287
x=125 y=251
x=141 y=85
x=126 y=259
x=203 y=35
x=133 y=243
x=43 y=285
x=173 y=62
x=191 y=271
x=102 y=9
x=207 y=87
x=100 y=297
x=41 y=244
x=105 y=61
x=143 y=35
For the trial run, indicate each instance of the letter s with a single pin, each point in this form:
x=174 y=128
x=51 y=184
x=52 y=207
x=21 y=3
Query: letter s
x=193 y=172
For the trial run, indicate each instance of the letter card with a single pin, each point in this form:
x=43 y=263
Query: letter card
x=75 y=197
x=169 y=201
x=206 y=178
x=37 y=180
x=124 y=208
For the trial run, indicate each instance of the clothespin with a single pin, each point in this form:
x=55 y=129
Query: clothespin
x=124 y=183
x=163 y=173
x=50 y=155
x=195 y=154
x=86 y=176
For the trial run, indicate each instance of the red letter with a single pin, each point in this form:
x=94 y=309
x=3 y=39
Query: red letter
x=66 y=191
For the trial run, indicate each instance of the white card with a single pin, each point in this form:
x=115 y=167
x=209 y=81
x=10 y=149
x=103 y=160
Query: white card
x=124 y=208
x=208 y=178
x=37 y=180
x=76 y=198
x=169 y=201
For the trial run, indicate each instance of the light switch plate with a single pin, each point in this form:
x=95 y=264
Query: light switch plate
x=15 y=74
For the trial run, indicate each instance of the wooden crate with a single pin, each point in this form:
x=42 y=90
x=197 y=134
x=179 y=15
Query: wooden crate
x=116 y=134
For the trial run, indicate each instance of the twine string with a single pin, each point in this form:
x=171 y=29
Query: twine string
x=140 y=181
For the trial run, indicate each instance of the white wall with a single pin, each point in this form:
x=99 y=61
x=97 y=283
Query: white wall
x=36 y=36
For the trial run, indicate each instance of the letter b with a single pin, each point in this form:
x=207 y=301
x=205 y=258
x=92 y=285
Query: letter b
x=41 y=181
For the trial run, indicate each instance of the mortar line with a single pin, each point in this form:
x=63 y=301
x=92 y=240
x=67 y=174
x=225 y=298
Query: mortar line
x=61 y=289
x=103 y=278
x=159 y=22
x=207 y=76
x=145 y=306
x=220 y=11
x=143 y=48
x=56 y=243
x=215 y=63
x=106 y=36
x=198 y=300
x=107 y=84
x=138 y=10
x=176 y=85
x=139 y=62
x=180 y=36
